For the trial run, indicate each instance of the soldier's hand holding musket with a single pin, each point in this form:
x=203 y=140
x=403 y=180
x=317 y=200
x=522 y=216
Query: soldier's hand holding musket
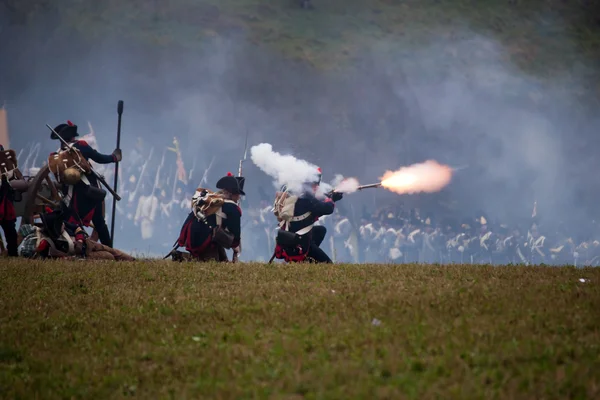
x=335 y=196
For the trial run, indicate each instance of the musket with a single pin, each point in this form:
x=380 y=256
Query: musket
x=371 y=186
x=157 y=177
x=204 y=179
x=32 y=149
x=99 y=177
x=37 y=153
x=243 y=159
x=192 y=170
x=235 y=253
x=133 y=195
x=19 y=155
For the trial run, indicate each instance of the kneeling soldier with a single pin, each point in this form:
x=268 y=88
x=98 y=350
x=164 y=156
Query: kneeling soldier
x=214 y=223
x=298 y=239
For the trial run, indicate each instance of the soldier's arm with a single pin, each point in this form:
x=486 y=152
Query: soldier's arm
x=325 y=207
x=234 y=223
x=75 y=231
x=44 y=250
x=88 y=152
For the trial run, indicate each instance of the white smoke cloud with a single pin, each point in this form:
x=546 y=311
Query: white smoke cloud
x=285 y=169
x=346 y=185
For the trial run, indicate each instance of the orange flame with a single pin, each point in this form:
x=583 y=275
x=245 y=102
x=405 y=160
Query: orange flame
x=429 y=177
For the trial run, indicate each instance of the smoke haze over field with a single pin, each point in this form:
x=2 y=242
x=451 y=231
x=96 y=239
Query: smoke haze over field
x=456 y=100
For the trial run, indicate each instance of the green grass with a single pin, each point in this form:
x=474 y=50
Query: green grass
x=544 y=36
x=167 y=330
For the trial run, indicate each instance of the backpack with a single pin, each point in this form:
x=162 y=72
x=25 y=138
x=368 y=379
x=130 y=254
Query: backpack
x=65 y=159
x=205 y=202
x=8 y=163
x=284 y=208
x=284 y=205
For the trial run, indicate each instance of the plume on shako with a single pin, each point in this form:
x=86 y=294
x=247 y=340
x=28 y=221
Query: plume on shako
x=428 y=177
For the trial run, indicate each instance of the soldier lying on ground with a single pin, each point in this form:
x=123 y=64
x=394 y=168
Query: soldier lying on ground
x=59 y=239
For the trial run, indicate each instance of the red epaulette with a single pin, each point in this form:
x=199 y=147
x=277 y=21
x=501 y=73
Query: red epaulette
x=83 y=142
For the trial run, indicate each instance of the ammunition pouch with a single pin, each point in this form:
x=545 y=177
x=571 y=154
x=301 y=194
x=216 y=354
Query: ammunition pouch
x=287 y=239
x=222 y=238
x=19 y=185
x=95 y=193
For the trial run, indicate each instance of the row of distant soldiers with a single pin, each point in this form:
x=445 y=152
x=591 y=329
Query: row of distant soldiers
x=415 y=240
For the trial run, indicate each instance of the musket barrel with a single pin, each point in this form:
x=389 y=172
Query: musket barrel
x=373 y=185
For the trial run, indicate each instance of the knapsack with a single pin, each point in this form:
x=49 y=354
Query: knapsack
x=8 y=162
x=205 y=202
x=284 y=205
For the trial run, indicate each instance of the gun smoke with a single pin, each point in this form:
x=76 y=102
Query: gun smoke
x=285 y=169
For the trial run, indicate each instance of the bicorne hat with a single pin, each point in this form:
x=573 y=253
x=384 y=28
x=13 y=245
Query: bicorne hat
x=231 y=184
x=66 y=131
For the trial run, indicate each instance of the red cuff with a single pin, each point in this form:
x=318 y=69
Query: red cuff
x=80 y=236
x=328 y=200
x=114 y=158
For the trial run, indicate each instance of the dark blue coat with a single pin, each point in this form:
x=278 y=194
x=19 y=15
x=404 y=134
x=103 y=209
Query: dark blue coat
x=308 y=203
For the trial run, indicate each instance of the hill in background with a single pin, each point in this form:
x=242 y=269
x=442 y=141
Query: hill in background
x=541 y=35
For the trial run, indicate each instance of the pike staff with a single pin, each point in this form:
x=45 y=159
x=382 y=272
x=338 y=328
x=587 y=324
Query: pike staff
x=114 y=205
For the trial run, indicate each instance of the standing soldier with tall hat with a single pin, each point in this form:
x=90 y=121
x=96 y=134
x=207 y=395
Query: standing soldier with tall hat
x=214 y=224
x=84 y=197
x=8 y=217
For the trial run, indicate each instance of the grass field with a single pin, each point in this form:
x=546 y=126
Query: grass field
x=166 y=330
x=544 y=36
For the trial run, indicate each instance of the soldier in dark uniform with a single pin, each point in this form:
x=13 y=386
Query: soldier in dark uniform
x=199 y=236
x=307 y=211
x=84 y=207
x=8 y=216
